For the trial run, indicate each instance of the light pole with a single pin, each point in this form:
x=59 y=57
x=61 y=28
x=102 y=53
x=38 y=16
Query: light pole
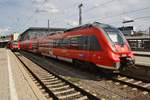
x=149 y=31
x=80 y=13
x=48 y=27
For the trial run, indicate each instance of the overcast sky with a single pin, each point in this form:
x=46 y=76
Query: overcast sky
x=18 y=15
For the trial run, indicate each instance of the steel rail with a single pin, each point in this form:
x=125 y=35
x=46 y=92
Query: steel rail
x=51 y=94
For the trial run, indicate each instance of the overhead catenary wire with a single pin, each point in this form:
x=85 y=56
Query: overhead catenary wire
x=117 y=15
x=99 y=5
x=112 y=16
x=30 y=17
x=105 y=3
x=23 y=26
x=72 y=15
x=137 y=18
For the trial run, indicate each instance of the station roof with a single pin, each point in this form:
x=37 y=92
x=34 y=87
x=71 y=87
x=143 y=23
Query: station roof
x=43 y=29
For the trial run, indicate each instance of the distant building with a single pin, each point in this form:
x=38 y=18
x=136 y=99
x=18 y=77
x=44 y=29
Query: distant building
x=39 y=31
x=128 y=30
x=5 y=39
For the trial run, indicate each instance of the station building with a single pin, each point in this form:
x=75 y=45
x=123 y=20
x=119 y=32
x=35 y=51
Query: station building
x=127 y=31
x=34 y=32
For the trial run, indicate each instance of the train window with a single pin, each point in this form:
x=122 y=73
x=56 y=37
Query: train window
x=30 y=35
x=26 y=37
x=74 y=43
x=82 y=40
x=57 y=43
x=54 y=43
x=33 y=36
x=78 y=43
x=85 y=43
x=22 y=37
x=65 y=43
x=93 y=43
x=50 y=43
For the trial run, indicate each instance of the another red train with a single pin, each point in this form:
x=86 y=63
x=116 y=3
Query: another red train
x=13 y=45
x=98 y=45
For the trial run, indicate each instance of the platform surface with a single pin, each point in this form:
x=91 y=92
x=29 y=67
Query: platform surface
x=141 y=53
x=142 y=60
x=13 y=85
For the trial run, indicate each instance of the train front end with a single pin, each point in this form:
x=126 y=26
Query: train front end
x=118 y=49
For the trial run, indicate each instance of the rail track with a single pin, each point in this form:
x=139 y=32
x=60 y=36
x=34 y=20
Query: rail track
x=133 y=82
x=52 y=85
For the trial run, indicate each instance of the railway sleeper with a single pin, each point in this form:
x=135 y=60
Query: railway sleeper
x=46 y=78
x=58 y=88
x=129 y=80
x=56 y=85
x=75 y=97
x=70 y=95
x=122 y=78
x=82 y=98
x=52 y=82
x=147 y=85
x=64 y=91
x=48 y=75
x=44 y=73
x=138 y=82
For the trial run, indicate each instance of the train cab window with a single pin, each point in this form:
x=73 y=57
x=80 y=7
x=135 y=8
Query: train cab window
x=113 y=34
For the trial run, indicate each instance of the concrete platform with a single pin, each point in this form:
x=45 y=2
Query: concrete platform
x=142 y=58
x=14 y=83
x=142 y=53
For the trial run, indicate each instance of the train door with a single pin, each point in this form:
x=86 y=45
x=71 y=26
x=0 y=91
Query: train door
x=93 y=48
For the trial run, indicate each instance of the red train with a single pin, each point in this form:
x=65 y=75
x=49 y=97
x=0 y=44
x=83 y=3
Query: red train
x=91 y=45
x=13 y=45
